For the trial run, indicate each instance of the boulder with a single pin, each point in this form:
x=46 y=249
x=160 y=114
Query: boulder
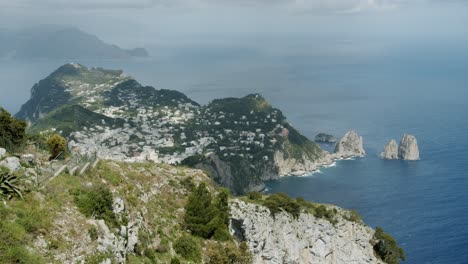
x=12 y=163
x=325 y=138
x=2 y=153
x=351 y=145
x=28 y=158
x=408 y=149
x=390 y=151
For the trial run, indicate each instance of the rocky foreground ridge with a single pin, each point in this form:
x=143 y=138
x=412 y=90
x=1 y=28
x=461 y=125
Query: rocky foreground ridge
x=138 y=213
x=241 y=141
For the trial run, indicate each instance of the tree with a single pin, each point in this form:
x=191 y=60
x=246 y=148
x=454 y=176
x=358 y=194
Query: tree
x=12 y=131
x=57 y=145
x=199 y=212
x=207 y=218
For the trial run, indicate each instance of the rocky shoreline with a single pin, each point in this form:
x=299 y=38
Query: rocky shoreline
x=349 y=146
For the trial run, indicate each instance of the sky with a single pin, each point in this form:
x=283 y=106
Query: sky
x=148 y=22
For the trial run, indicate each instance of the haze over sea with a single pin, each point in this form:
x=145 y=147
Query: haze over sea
x=381 y=93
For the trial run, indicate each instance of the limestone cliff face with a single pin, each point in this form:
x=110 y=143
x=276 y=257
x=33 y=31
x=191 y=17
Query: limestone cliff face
x=282 y=239
x=291 y=166
x=408 y=149
x=390 y=151
x=351 y=145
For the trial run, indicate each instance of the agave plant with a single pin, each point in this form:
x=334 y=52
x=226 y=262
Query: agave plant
x=9 y=184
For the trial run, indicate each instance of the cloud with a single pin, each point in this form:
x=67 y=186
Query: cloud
x=295 y=5
x=290 y=6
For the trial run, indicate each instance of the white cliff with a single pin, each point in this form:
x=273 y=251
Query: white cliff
x=307 y=239
x=351 y=145
x=390 y=151
x=408 y=149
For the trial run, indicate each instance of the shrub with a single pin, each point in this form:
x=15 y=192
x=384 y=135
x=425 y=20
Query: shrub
x=56 y=145
x=96 y=202
x=255 y=196
x=93 y=233
x=175 y=261
x=188 y=248
x=227 y=254
x=281 y=201
x=12 y=131
x=387 y=248
x=354 y=217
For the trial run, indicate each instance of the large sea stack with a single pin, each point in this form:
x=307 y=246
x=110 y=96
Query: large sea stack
x=408 y=149
x=351 y=145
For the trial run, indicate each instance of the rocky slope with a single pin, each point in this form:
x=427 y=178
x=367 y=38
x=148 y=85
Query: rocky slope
x=390 y=151
x=307 y=239
x=408 y=149
x=105 y=112
x=137 y=216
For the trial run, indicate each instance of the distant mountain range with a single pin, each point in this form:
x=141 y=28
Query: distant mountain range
x=55 y=42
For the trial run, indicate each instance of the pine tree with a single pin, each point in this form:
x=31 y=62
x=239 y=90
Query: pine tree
x=199 y=212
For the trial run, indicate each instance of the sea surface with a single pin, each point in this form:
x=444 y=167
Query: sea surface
x=381 y=92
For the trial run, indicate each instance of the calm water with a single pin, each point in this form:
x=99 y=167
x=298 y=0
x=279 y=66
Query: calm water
x=423 y=204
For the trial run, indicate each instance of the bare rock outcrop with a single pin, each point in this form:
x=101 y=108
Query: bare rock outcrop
x=2 y=153
x=306 y=239
x=408 y=149
x=351 y=145
x=12 y=163
x=390 y=151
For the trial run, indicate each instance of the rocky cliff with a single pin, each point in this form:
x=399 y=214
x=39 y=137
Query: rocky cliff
x=350 y=145
x=307 y=239
x=408 y=149
x=390 y=151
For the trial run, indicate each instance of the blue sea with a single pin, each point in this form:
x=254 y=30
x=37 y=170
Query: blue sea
x=380 y=91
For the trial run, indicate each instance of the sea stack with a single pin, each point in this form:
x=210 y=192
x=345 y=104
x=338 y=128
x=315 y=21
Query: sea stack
x=391 y=151
x=351 y=145
x=408 y=149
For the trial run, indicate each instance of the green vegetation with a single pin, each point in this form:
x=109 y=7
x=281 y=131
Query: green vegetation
x=207 y=218
x=229 y=254
x=57 y=146
x=254 y=196
x=187 y=247
x=282 y=202
x=353 y=216
x=70 y=118
x=20 y=221
x=96 y=201
x=12 y=131
x=9 y=185
x=386 y=247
